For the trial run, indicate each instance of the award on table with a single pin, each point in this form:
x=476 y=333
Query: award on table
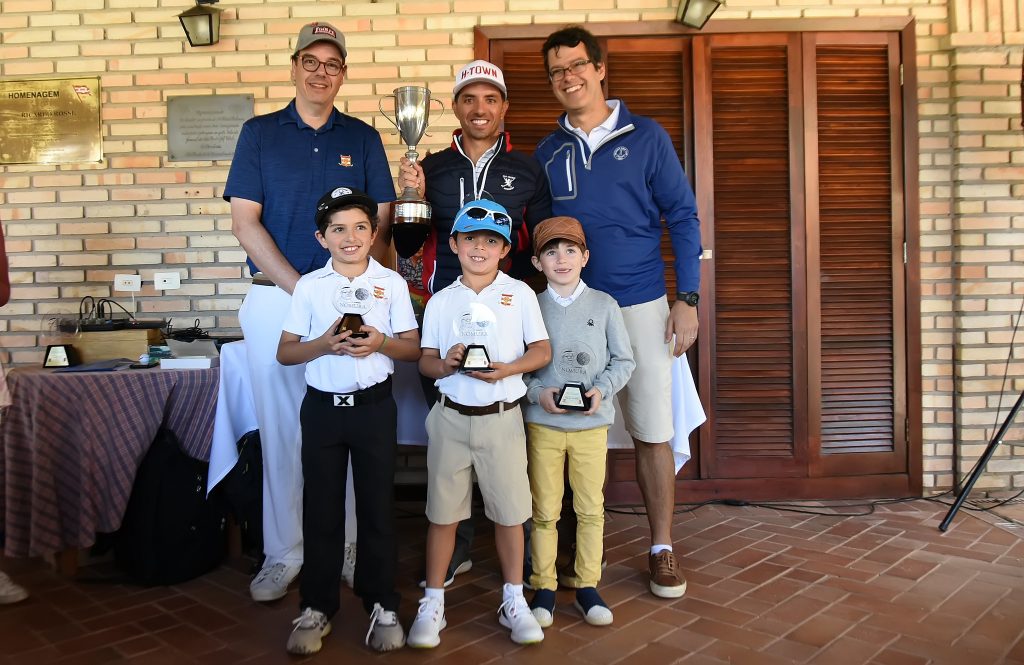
x=410 y=215
x=573 y=397
x=60 y=355
x=352 y=301
x=476 y=359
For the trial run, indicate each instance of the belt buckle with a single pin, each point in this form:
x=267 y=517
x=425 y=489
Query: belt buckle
x=344 y=400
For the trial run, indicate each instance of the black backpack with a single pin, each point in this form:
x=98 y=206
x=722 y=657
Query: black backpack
x=171 y=531
x=242 y=488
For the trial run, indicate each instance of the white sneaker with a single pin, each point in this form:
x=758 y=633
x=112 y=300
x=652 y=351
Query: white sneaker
x=310 y=629
x=10 y=592
x=385 y=633
x=348 y=566
x=515 y=614
x=425 y=632
x=272 y=581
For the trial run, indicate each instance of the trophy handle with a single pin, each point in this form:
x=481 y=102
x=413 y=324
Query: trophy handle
x=380 y=105
x=438 y=116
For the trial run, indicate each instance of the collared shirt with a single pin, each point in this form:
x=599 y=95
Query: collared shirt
x=571 y=298
x=312 y=313
x=285 y=165
x=504 y=317
x=598 y=134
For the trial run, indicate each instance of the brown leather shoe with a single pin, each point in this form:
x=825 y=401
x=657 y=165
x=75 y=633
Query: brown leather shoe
x=667 y=579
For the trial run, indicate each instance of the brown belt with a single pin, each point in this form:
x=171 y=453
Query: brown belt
x=259 y=279
x=487 y=410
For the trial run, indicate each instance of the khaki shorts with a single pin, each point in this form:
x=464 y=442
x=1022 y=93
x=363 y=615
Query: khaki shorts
x=493 y=446
x=646 y=401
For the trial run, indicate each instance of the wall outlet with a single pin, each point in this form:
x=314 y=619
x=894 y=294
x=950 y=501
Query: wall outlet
x=167 y=280
x=127 y=283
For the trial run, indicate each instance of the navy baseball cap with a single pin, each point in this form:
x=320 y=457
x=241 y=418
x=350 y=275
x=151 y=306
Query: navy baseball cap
x=339 y=197
x=484 y=215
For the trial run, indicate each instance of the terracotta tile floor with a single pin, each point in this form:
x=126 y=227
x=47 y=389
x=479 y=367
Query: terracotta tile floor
x=765 y=587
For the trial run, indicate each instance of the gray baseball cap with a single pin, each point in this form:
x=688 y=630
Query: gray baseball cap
x=319 y=31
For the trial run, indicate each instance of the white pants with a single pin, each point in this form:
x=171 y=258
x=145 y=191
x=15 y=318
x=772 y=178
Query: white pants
x=277 y=392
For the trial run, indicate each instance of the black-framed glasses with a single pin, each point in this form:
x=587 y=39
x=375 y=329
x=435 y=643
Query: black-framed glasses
x=500 y=218
x=558 y=73
x=331 y=67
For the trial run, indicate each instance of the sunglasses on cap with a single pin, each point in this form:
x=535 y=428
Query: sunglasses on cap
x=500 y=218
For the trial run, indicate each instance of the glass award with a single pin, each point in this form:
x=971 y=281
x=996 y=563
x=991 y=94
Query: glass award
x=573 y=397
x=352 y=301
x=476 y=359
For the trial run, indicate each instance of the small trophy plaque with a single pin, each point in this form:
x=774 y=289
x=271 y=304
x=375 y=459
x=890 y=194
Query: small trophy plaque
x=352 y=322
x=352 y=301
x=476 y=359
x=60 y=355
x=573 y=397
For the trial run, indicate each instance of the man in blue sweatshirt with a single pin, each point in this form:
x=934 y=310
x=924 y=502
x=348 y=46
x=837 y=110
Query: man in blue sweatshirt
x=619 y=174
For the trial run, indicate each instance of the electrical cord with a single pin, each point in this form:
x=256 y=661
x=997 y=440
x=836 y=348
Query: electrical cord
x=187 y=334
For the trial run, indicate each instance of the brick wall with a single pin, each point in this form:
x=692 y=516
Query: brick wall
x=70 y=228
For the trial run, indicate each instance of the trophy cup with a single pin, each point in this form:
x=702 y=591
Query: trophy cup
x=573 y=397
x=476 y=359
x=410 y=215
x=352 y=301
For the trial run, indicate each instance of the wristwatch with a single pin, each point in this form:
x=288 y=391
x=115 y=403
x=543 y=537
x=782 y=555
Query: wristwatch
x=691 y=298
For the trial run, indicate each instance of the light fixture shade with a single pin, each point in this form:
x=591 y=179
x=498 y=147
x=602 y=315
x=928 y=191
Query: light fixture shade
x=201 y=23
x=695 y=13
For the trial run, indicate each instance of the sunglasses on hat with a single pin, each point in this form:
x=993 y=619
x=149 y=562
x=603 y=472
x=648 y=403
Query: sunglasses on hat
x=500 y=218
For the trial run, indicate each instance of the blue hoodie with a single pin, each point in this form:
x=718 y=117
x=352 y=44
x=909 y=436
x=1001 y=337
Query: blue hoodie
x=620 y=193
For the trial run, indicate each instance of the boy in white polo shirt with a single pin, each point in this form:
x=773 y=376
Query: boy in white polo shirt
x=348 y=409
x=477 y=424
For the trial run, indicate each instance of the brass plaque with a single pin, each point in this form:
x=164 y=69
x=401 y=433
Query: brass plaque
x=205 y=127
x=50 y=121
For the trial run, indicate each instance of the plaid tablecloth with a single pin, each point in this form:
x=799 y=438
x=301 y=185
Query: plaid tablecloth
x=70 y=445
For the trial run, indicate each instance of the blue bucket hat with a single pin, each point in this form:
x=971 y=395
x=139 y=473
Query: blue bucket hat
x=484 y=215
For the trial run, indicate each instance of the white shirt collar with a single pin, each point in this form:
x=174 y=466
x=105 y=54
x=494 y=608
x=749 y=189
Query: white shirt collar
x=373 y=269
x=597 y=134
x=571 y=298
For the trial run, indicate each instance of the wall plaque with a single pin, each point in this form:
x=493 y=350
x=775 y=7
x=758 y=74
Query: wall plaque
x=205 y=127
x=50 y=121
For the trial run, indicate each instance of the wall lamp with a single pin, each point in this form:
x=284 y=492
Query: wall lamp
x=695 y=13
x=201 y=23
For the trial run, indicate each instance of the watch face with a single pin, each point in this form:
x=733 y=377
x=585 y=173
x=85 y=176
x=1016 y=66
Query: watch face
x=691 y=298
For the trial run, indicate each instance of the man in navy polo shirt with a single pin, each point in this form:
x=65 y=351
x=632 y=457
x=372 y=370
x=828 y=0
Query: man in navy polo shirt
x=283 y=163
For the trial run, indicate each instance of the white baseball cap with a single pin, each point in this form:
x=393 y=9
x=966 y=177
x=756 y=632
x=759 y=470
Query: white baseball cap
x=480 y=71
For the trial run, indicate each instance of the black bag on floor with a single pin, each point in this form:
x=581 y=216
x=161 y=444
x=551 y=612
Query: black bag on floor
x=171 y=532
x=243 y=491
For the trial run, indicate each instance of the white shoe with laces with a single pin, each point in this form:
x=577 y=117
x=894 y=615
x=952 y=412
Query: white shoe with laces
x=515 y=615
x=348 y=566
x=10 y=592
x=425 y=632
x=272 y=581
x=310 y=629
x=385 y=633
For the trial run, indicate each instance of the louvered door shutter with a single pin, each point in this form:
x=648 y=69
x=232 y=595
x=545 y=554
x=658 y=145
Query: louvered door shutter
x=858 y=280
x=533 y=108
x=744 y=88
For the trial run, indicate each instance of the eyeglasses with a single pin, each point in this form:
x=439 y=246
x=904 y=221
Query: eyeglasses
x=500 y=218
x=331 y=67
x=558 y=73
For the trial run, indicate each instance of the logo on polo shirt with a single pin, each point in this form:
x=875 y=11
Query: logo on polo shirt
x=506 y=299
x=507 y=184
x=621 y=153
x=345 y=160
x=378 y=292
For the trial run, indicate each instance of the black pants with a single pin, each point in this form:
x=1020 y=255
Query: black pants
x=329 y=434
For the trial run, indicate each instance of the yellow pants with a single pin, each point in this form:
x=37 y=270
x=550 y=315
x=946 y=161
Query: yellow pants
x=587 y=451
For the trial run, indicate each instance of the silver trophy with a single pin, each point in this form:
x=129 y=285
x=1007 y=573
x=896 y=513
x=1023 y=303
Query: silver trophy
x=410 y=215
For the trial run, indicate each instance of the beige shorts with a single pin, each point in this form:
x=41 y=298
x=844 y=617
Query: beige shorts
x=493 y=446
x=646 y=401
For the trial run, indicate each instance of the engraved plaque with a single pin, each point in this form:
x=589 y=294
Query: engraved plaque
x=205 y=128
x=50 y=121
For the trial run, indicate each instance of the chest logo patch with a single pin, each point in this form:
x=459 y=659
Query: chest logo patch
x=507 y=181
x=506 y=299
x=378 y=292
x=621 y=152
x=345 y=160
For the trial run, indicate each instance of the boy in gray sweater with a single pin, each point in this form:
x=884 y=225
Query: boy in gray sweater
x=570 y=410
